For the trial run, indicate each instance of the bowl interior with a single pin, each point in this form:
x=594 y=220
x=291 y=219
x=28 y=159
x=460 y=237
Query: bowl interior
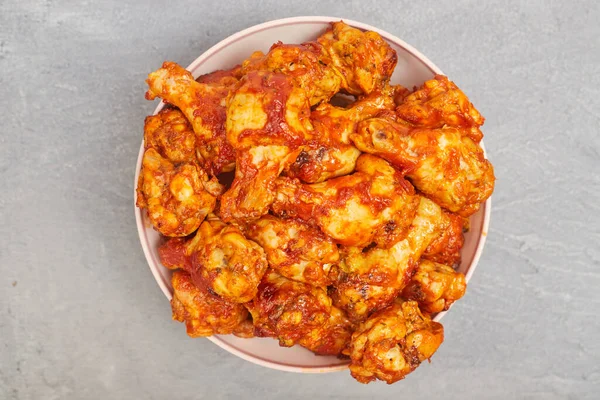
x=412 y=70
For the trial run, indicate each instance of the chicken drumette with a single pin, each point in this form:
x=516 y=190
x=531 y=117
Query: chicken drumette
x=203 y=312
x=445 y=165
x=204 y=106
x=267 y=124
x=226 y=262
x=364 y=59
x=332 y=153
x=373 y=204
x=298 y=313
x=435 y=287
x=296 y=250
x=393 y=342
x=372 y=278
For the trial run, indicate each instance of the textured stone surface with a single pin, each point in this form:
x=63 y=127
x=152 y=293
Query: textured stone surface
x=81 y=316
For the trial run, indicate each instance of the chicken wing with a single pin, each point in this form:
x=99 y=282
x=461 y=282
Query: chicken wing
x=439 y=102
x=332 y=338
x=204 y=106
x=303 y=65
x=445 y=249
x=177 y=197
x=435 y=287
x=204 y=313
x=364 y=59
x=372 y=278
x=267 y=123
x=298 y=313
x=442 y=163
x=226 y=262
x=332 y=153
x=393 y=342
x=170 y=133
x=222 y=77
x=296 y=250
x=374 y=203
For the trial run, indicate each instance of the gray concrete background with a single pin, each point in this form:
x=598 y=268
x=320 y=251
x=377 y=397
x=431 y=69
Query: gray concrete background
x=80 y=314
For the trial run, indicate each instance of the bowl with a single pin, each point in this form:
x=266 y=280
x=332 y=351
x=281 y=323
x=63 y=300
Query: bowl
x=412 y=70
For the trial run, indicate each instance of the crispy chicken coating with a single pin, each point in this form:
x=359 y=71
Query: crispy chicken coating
x=435 y=287
x=226 y=262
x=374 y=203
x=332 y=153
x=442 y=163
x=445 y=249
x=372 y=278
x=204 y=313
x=364 y=59
x=393 y=342
x=296 y=250
x=267 y=123
x=177 y=197
x=439 y=102
x=204 y=106
x=298 y=313
x=303 y=64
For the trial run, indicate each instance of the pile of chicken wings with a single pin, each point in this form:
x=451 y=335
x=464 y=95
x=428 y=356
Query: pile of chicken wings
x=303 y=197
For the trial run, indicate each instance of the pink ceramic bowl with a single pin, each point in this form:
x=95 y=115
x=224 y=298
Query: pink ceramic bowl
x=412 y=70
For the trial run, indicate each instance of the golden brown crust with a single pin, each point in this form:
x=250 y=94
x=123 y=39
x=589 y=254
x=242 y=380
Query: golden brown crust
x=372 y=278
x=288 y=310
x=267 y=123
x=303 y=64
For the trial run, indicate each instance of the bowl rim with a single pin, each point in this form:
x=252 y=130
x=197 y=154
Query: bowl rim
x=196 y=64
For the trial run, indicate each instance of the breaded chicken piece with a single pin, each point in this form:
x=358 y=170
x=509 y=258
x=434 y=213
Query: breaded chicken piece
x=171 y=134
x=445 y=249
